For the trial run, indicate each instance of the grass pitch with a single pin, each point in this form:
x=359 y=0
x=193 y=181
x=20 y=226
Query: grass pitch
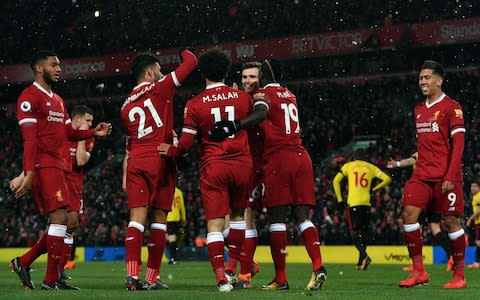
x=195 y=280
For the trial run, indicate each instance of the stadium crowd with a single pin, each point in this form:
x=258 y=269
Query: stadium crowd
x=333 y=113
x=84 y=28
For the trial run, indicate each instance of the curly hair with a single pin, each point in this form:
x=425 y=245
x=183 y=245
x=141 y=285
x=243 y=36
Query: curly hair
x=214 y=65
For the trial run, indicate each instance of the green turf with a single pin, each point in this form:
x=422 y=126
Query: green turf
x=194 y=280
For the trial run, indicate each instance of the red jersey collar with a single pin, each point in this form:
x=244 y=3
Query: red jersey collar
x=41 y=88
x=428 y=105
x=215 y=85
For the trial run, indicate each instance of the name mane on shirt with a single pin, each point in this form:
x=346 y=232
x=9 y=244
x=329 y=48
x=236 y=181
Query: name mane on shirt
x=137 y=95
x=285 y=94
x=219 y=97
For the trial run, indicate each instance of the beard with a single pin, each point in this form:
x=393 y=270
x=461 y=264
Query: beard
x=48 y=79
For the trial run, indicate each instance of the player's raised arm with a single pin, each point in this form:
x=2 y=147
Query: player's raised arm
x=189 y=62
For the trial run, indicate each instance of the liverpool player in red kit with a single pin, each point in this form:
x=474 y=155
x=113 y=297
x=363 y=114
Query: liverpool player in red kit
x=436 y=183
x=147 y=116
x=248 y=267
x=45 y=129
x=284 y=184
x=225 y=167
x=78 y=154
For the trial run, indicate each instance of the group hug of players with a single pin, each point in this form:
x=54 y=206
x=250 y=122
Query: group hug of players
x=251 y=157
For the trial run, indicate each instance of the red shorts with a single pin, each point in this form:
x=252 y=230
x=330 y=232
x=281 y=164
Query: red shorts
x=428 y=196
x=73 y=194
x=256 y=191
x=224 y=185
x=288 y=179
x=50 y=189
x=151 y=182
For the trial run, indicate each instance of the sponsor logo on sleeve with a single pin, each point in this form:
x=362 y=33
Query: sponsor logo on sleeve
x=458 y=113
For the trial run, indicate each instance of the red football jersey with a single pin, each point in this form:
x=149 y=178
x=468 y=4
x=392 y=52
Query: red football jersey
x=218 y=102
x=147 y=116
x=47 y=110
x=435 y=124
x=281 y=127
x=255 y=142
x=77 y=172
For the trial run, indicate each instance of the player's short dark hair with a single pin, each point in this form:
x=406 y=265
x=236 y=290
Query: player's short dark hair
x=81 y=110
x=251 y=64
x=214 y=64
x=39 y=56
x=271 y=70
x=141 y=63
x=436 y=67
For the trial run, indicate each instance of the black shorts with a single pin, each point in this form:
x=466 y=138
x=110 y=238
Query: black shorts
x=173 y=228
x=358 y=217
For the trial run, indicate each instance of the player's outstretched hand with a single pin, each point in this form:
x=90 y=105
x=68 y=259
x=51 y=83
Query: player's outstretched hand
x=224 y=129
x=391 y=164
x=103 y=129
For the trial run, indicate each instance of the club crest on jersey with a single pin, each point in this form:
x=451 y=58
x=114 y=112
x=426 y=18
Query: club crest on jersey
x=458 y=113
x=185 y=111
x=25 y=106
x=435 y=115
x=58 y=196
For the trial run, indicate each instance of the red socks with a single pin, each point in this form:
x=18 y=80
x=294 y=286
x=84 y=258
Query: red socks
x=278 y=245
x=133 y=247
x=38 y=249
x=156 y=246
x=413 y=238
x=312 y=243
x=55 y=237
x=248 y=251
x=457 y=242
x=67 y=250
x=215 y=246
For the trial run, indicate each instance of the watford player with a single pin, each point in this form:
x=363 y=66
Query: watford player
x=360 y=175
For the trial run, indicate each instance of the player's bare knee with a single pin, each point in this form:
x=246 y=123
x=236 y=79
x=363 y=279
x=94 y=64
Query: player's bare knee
x=159 y=216
x=302 y=213
x=410 y=214
x=58 y=216
x=452 y=223
x=277 y=214
x=237 y=214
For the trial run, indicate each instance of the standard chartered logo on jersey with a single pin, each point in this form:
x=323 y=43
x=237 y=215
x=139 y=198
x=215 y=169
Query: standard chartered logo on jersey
x=427 y=127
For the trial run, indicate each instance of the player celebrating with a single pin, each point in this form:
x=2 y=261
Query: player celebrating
x=434 y=220
x=45 y=129
x=248 y=267
x=225 y=167
x=147 y=115
x=285 y=184
x=360 y=175
x=436 y=183
x=78 y=154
